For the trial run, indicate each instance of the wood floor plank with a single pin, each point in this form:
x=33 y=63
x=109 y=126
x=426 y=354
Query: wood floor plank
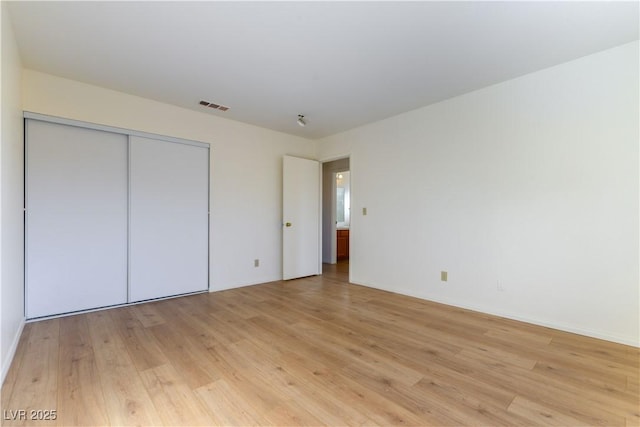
x=541 y=415
x=603 y=358
x=139 y=340
x=438 y=371
x=467 y=408
x=12 y=375
x=36 y=385
x=248 y=382
x=290 y=413
x=174 y=400
x=516 y=336
x=80 y=392
x=523 y=382
x=126 y=399
x=488 y=352
x=597 y=348
x=360 y=353
x=369 y=401
x=148 y=314
x=633 y=385
x=228 y=406
x=355 y=395
x=329 y=406
x=242 y=306
x=612 y=384
x=230 y=328
x=433 y=410
x=288 y=337
x=316 y=351
x=182 y=354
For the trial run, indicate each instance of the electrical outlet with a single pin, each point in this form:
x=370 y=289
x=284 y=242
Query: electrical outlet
x=364 y=211
x=443 y=276
x=499 y=286
x=256 y=262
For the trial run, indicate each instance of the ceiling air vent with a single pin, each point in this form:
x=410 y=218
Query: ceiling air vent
x=214 y=106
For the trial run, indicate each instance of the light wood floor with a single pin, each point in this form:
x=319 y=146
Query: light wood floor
x=315 y=351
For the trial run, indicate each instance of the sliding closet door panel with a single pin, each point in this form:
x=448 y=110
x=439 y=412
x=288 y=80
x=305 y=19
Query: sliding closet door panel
x=169 y=204
x=76 y=230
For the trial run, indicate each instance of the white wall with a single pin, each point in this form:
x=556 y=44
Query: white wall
x=11 y=189
x=526 y=192
x=246 y=161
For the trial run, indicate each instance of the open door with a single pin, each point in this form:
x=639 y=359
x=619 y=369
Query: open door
x=301 y=217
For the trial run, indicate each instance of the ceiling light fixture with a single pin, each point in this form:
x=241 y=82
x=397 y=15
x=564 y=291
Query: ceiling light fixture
x=301 y=120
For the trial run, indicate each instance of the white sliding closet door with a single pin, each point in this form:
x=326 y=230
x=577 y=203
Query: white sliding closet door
x=169 y=218
x=76 y=223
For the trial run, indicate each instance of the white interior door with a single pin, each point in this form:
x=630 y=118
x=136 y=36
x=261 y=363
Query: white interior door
x=76 y=219
x=169 y=218
x=301 y=217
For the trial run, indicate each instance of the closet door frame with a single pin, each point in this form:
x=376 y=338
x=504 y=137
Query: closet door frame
x=127 y=133
x=112 y=129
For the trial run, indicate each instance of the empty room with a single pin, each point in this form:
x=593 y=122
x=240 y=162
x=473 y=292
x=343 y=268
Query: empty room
x=320 y=213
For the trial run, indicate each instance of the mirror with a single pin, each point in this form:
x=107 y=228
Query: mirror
x=343 y=205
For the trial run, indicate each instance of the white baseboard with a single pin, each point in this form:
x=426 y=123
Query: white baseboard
x=6 y=363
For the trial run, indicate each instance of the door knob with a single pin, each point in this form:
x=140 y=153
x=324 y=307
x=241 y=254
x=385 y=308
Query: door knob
x=288 y=224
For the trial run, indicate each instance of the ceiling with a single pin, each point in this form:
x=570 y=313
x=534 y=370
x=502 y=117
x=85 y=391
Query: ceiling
x=340 y=64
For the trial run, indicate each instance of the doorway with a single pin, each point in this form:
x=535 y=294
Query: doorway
x=336 y=212
x=343 y=214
